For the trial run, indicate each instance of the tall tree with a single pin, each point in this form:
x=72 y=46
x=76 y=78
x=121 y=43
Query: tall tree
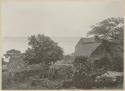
x=111 y=28
x=42 y=50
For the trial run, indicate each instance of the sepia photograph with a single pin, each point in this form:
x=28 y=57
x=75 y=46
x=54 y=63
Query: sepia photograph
x=62 y=45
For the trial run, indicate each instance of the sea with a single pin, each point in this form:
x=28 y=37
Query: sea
x=21 y=43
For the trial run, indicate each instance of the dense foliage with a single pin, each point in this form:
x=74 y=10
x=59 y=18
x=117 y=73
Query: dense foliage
x=81 y=63
x=118 y=64
x=64 y=73
x=82 y=78
x=42 y=50
x=111 y=28
x=103 y=63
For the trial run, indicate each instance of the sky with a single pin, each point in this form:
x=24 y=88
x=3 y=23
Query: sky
x=56 y=19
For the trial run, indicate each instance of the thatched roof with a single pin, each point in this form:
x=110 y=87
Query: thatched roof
x=86 y=40
x=86 y=46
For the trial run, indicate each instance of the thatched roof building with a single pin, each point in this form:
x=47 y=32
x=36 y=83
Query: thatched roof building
x=96 y=50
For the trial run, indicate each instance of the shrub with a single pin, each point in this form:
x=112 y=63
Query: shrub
x=48 y=84
x=103 y=63
x=109 y=79
x=82 y=77
x=63 y=72
x=83 y=81
x=106 y=82
x=117 y=64
x=81 y=63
